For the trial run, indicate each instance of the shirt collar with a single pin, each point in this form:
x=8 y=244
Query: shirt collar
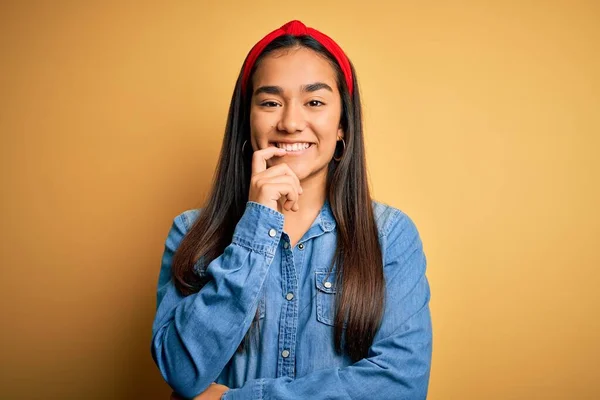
x=324 y=222
x=326 y=219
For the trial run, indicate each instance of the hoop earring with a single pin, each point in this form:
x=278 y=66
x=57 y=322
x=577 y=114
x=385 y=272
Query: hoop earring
x=243 y=146
x=340 y=157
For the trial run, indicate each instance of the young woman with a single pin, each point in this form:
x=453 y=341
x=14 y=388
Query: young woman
x=291 y=282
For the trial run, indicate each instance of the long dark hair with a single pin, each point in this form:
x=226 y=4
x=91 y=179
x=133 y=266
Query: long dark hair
x=358 y=254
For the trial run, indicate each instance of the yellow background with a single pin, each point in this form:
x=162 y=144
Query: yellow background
x=482 y=123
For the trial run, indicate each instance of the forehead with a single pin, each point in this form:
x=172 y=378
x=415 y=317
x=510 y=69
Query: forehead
x=294 y=67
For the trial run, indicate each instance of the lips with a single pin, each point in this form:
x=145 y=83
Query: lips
x=293 y=149
x=297 y=146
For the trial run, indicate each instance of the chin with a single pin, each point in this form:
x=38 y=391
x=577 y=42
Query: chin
x=301 y=171
x=312 y=171
x=301 y=168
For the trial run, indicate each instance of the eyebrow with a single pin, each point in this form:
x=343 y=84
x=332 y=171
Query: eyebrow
x=313 y=87
x=278 y=90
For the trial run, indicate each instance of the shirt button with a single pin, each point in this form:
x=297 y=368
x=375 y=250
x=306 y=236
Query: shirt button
x=289 y=296
x=286 y=245
x=285 y=354
x=327 y=284
x=272 y=232
x=301 y=246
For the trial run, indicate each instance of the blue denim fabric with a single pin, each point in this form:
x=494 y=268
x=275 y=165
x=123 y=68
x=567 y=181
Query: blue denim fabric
x=195 y=337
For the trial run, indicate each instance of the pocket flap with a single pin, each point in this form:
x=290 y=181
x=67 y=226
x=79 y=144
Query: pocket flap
x=325 y=281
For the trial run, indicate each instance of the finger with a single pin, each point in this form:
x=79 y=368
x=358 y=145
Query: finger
x=278 y=170
x=260 y=157
x=283 y=189
x=289 y=204
x=277 y=179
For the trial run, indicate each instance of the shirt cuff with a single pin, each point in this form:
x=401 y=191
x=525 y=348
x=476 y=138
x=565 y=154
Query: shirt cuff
x=252 y=390
x=259 y=229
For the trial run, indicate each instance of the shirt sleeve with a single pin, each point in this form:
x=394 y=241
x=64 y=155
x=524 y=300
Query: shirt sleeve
x=193 y=337
x=398 y=362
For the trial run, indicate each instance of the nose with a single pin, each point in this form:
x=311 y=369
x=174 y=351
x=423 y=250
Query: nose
x=292 y=119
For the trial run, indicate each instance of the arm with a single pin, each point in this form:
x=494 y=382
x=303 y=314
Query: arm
x=398 y=363
x=194 y=337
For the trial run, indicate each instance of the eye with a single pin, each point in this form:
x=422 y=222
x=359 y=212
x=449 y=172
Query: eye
x=316 y=103
x=269 y=104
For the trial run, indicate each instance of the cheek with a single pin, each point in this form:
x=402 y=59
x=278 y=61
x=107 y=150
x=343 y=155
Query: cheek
x=259 y=125
x=327 y=126
x=327 y=120
x=328 y=146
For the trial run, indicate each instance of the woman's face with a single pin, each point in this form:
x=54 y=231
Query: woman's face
x=295 y=104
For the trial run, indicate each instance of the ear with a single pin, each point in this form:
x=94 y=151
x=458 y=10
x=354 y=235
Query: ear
x=340 y=133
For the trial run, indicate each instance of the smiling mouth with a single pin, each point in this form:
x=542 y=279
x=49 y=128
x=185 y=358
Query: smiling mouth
x=293 y=147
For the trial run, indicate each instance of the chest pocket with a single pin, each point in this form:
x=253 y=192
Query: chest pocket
x=326 y=294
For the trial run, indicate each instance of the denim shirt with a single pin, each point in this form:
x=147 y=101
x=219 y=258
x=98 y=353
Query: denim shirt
x=194 y=338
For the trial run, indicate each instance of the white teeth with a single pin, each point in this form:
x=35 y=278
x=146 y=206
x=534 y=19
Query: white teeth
x=294 y=146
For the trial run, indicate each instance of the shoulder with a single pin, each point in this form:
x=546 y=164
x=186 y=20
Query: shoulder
x=389 y=219
x=398 y=232
x=186 y=219
x=190 y=216
x=180 y=227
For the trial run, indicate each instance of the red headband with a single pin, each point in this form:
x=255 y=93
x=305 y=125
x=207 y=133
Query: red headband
x=297 y=28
